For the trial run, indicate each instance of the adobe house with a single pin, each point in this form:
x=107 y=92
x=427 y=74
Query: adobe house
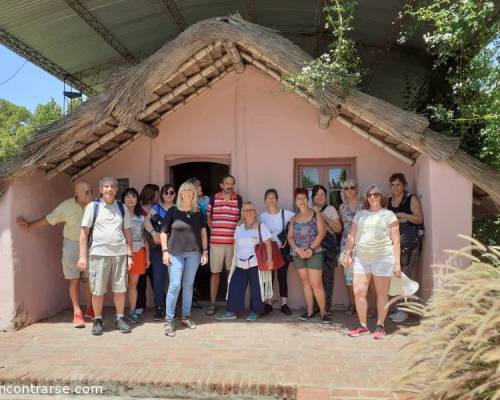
x=212 y=101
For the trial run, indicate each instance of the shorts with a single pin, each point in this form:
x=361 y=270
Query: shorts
x=315 y=262
x=101 y=268
x=378 y=266
x=70 y=256
x=220 y=255
x=139 y=259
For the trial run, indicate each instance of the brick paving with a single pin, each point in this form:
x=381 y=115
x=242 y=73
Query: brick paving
x=276 y=357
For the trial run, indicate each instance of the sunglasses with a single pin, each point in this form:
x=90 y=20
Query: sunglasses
x=169 y=192
x=349 y=188
x=373 y=195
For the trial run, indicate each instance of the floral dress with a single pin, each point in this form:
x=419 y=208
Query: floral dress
x=347 y=218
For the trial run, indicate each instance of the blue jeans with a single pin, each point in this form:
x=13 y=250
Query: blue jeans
x=156 y=258
x=181 y=272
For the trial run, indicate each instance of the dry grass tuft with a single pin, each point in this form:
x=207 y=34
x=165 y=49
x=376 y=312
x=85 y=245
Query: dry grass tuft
x=455 y=351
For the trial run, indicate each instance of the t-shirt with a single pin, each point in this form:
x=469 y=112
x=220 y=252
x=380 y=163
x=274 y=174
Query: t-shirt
x=137 y=230
x=373 y=237
x=184 y=230
x=246 y=239
x=71 y=213
x=108 y=238
x=225 y=216
x=331 y=213
x=275 y=224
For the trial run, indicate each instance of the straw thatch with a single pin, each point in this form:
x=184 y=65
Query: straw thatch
x=141 y=97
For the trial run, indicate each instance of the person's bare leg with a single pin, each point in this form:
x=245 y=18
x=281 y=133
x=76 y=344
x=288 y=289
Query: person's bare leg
x=372 y=299
x=119 y=299
x=350 y=292
x=74 y=294
x=308 y=292
x=381 y=284
x=132 y=290
x=88 y=293
x=360 y=286
x=214 y=286
x=97 y=302
x=316 y=280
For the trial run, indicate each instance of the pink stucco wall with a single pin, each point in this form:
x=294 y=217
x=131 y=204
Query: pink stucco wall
x=447 y=200
x=250 y=120
x=31 y=268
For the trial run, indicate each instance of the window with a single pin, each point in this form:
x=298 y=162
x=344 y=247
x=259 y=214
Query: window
x=329 y=172
x=123 y=183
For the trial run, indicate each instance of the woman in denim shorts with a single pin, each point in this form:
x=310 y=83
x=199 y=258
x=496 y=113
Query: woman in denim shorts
x=375 y=238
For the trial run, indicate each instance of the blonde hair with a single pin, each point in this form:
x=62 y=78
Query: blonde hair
x=349 y=182
x=248 y=205
x=186 y=187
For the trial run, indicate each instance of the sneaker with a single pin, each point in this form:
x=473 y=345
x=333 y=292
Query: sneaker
x=286 y=310
x=252 y=317
x=159 y=314
x=211 y=310
x=361 y=330
x=379 y=332
x=122 y=325
x=350 y=310
x=169 y=328
x=139 y=311
x=89 y=313
x=399 y=316
x=133 y=317
x=226 y=316
x=78 y=321
x=268 y=308
x=326 y=319
x=98 y=327
x=188 y=323
x=306 y=316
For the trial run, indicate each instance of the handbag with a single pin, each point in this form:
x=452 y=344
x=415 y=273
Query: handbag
x=261 y=254
x=283 y=237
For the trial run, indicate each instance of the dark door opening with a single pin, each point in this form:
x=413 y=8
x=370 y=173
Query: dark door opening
x=210 y=174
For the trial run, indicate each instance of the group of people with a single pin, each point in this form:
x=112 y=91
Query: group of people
x=143 y=236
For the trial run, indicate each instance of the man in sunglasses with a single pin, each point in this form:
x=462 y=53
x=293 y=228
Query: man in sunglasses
x=70 y=213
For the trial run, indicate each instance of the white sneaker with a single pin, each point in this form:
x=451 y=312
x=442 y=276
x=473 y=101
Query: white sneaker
x=139 y=311
x=399 y=316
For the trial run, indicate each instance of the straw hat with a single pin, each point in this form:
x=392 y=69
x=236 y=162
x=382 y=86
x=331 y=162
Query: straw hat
x=403 y=286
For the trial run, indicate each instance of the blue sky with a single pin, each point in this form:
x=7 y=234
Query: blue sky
x=31 y=86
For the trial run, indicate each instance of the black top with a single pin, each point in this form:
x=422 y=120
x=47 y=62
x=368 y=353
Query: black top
x=404 y=206
x=184 y=231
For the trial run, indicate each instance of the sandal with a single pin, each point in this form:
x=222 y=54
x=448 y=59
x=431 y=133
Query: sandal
x=188 y=323
x=169 y=328
x=211 y=309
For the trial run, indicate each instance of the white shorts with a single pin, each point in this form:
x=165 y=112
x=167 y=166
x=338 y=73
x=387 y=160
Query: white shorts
x=378 y=266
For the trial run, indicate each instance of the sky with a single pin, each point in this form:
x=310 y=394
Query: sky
x=30 y=86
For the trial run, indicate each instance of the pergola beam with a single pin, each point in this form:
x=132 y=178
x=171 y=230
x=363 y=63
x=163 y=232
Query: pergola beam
x=24 y=50
x=101 y=30
x=175 y=14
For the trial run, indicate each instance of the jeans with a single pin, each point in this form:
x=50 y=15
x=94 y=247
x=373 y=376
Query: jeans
x=237 y=287
x=159 y=273
x=181 y=272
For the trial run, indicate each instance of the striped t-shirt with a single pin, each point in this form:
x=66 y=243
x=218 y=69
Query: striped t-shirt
x=225 y=217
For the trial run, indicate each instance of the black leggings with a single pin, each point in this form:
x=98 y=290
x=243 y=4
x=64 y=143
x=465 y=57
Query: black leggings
x=282 y=280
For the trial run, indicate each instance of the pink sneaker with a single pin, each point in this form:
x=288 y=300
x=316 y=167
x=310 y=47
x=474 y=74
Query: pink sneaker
x=379 y=332
x=361 y=330
x=89 y=313
x=78 y=321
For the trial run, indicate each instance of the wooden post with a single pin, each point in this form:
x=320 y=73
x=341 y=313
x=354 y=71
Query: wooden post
x=235 y=57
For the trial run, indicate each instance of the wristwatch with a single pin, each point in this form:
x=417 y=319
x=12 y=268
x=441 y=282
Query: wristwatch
x=164 y=251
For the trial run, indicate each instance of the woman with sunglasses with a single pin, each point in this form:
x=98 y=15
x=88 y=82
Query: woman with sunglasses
x=156 y=215
x=375 y=237
x=351 y=204
x=408 y=209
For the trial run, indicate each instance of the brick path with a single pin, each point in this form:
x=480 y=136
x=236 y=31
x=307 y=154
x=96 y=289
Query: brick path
x=277 y=356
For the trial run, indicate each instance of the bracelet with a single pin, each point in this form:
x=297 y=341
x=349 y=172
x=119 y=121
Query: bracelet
x=129 y=256
x=205 y=249
x=164 y=251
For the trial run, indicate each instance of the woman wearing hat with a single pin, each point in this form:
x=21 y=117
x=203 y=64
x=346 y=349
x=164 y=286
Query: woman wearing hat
x=375 y=237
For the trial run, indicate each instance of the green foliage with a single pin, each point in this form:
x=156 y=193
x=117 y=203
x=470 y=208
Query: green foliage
x=17 y=124
x=487 y=230
x=339 y=67
x=464 y=41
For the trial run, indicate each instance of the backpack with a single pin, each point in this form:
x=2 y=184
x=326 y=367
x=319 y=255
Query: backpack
x=329 y=243
x=96 y=203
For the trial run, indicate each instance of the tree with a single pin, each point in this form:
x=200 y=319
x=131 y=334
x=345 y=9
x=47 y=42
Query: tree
x=45 y=114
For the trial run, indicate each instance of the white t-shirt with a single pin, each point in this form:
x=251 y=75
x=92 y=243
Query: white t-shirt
x=275 y=224
x=108 y=238
x=245 y=240
x=331 y=213
x=373 y=236
x=137 y=230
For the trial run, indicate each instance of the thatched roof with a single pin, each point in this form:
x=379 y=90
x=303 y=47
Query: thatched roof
x=141 y=97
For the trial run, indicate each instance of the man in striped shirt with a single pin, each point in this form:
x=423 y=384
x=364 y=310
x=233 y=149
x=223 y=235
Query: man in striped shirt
x=223 y=216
